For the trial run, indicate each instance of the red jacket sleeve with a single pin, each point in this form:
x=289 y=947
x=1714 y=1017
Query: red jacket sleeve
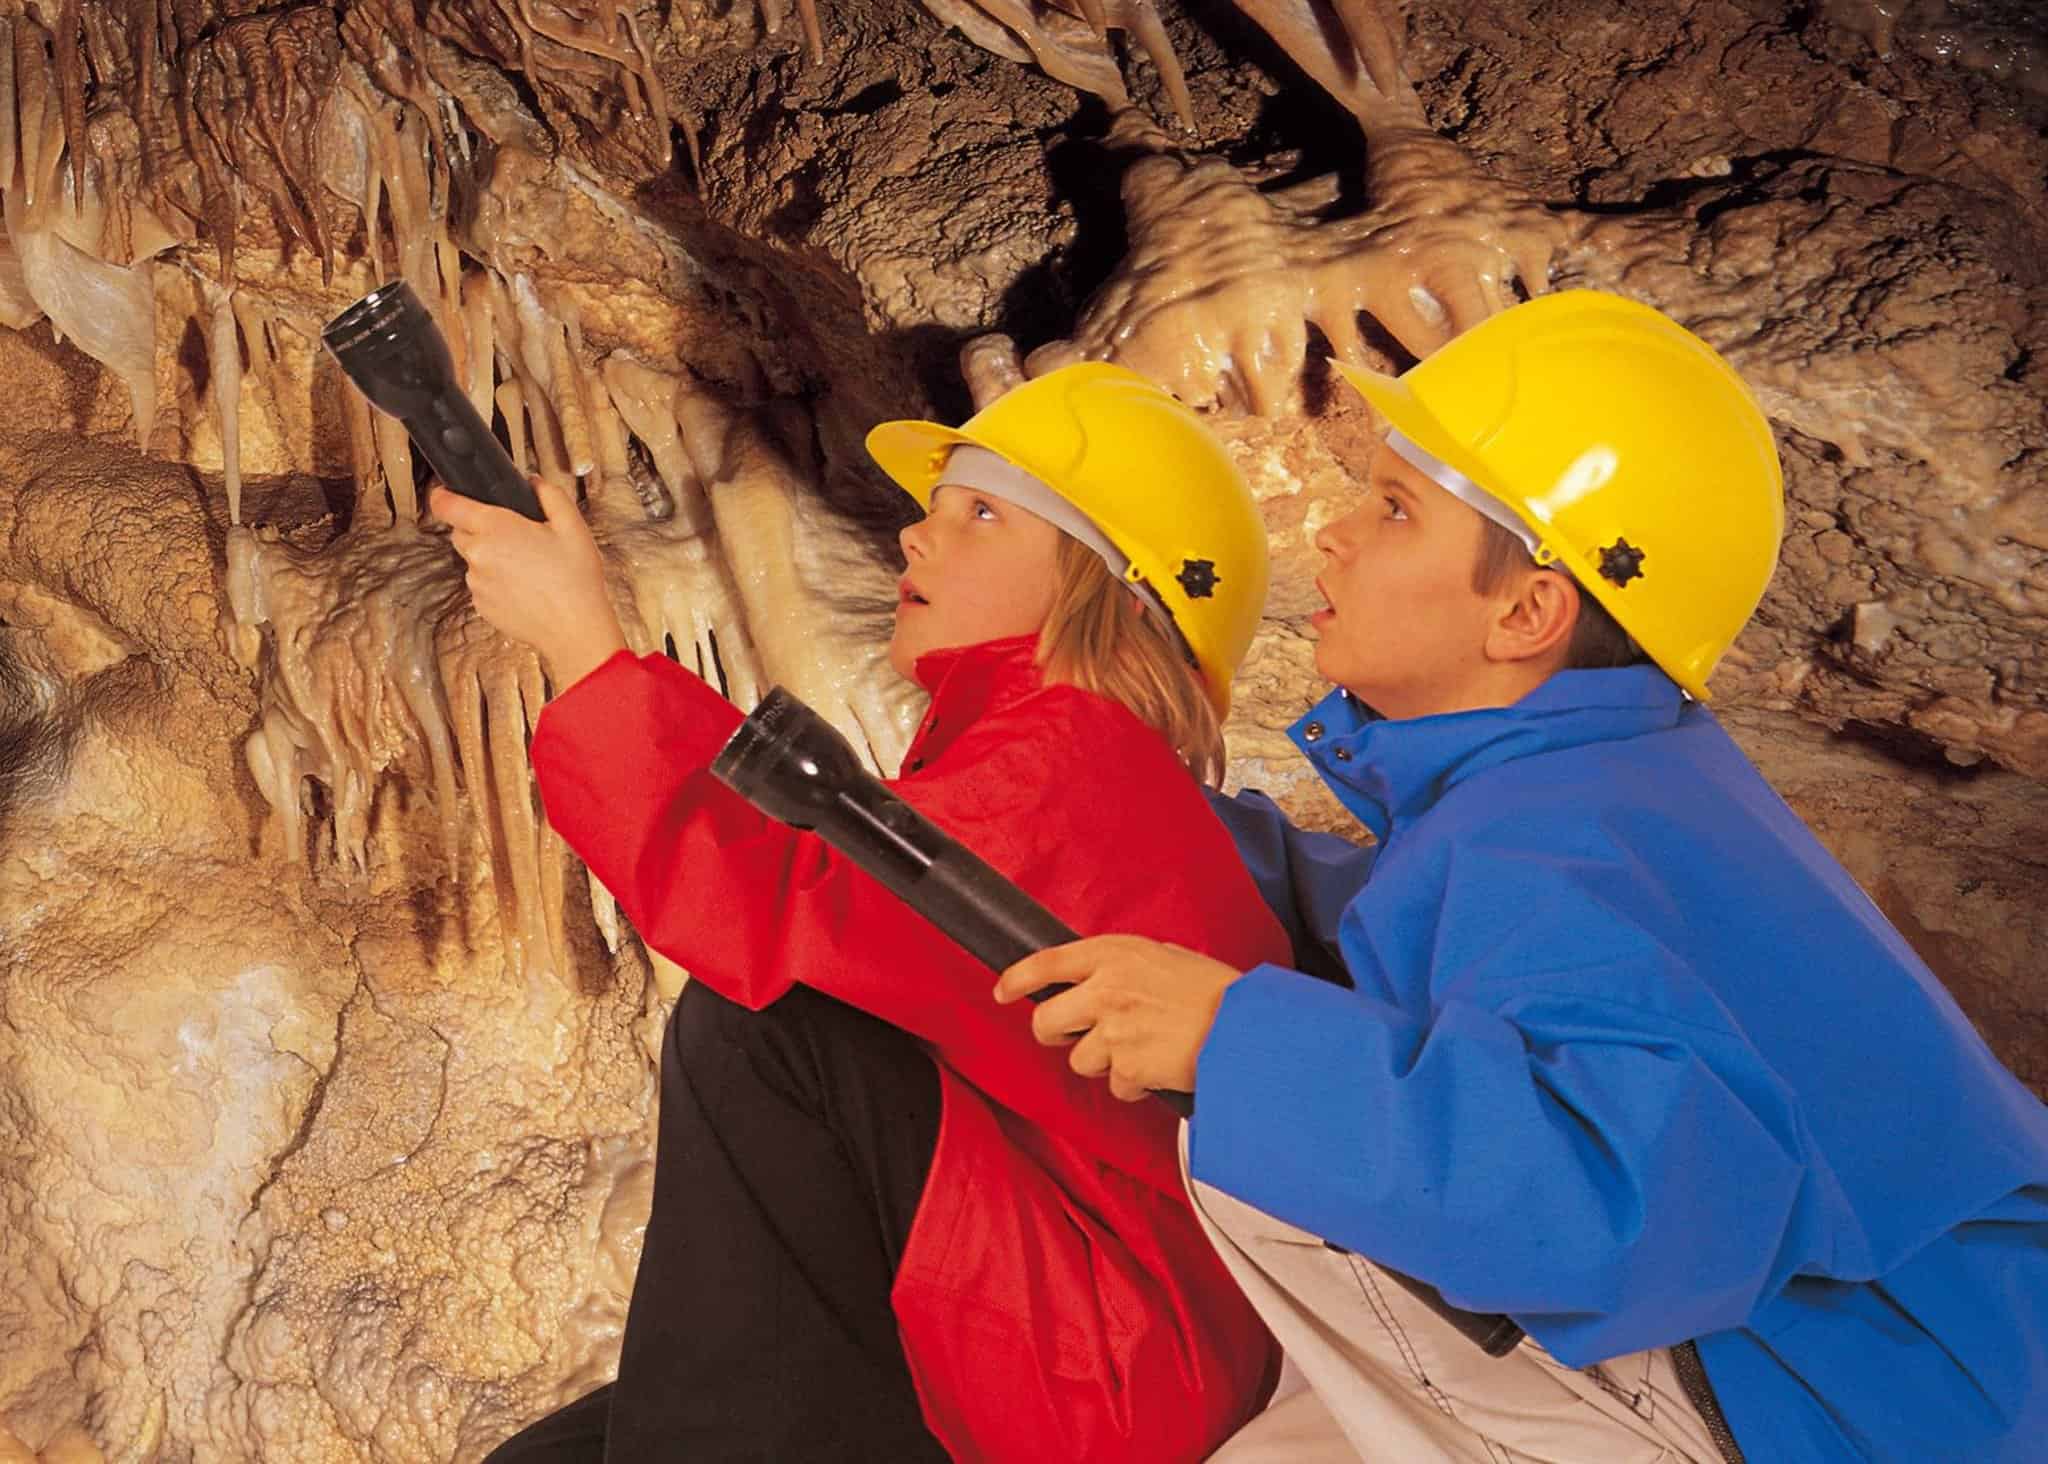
x=752 y=907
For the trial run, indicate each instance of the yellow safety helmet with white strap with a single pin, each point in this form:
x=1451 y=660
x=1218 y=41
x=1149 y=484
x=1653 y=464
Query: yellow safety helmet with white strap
x=1622 y=447
x=1140 y=467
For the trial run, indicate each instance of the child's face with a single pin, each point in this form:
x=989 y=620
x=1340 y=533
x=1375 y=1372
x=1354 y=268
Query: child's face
x=977 y=568
x=1405 y=632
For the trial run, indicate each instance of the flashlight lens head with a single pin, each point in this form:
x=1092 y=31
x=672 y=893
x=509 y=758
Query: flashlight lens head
x=391 y=349
x=787 y=761
x=386 y=311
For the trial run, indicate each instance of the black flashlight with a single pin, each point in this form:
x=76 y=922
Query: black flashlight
x=395 y=354
x=794 y=766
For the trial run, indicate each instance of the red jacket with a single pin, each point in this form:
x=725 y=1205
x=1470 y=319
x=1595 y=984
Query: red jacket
x=1056 y=1298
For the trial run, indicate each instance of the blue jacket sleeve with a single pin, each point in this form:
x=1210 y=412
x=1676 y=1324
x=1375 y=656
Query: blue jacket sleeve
x=1561 y=1126
x=1306 y=879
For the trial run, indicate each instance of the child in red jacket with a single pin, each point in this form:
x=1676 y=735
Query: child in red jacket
x=887 y=1224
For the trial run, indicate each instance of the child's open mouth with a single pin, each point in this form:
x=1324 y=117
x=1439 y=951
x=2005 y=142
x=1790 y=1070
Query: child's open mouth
x=907 y=594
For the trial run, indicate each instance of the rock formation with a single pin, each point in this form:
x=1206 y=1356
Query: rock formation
x=324 y=1070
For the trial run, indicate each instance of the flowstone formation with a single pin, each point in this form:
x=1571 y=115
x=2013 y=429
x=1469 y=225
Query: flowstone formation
x=325 y=1071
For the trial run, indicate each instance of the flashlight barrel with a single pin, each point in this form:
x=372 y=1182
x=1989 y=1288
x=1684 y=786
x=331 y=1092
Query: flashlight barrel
x=388 y=345
x=944 y=881
x=954 y=888
x=466 y=455
x=794 y=766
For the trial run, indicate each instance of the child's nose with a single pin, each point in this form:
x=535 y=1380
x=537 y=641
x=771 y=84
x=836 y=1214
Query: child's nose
x=1339 y=536
x=912 y=538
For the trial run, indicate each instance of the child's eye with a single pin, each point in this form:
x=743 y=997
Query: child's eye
x=982 y=510
x=1394 y=509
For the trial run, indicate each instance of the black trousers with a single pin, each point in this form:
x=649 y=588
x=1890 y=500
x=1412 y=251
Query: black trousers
x=794 y=1145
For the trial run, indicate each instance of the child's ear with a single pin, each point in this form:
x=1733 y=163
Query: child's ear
x=1535 y=618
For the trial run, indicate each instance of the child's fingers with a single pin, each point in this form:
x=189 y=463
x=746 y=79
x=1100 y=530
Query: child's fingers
x=1090 y=1057
x=451 y=508
x=467 y=516
x=466 y=544
x=556 y=503
x=1064 y=1018
x=1067 y=964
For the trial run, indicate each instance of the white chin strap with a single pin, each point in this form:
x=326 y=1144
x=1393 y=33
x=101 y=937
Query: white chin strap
x=995 y=475
x=1465 y=491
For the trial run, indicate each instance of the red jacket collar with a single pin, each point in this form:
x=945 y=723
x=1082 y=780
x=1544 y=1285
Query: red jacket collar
x=967 y=683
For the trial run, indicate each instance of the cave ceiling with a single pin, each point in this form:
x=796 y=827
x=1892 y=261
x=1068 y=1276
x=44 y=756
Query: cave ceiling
x=324 y=1070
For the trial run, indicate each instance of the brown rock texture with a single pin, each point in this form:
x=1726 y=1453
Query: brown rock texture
x=325 y=1074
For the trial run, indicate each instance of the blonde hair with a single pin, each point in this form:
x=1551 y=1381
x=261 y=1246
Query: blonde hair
x=1098 y=637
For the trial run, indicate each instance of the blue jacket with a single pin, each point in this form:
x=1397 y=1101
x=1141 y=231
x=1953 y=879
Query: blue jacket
x=1628 y=1056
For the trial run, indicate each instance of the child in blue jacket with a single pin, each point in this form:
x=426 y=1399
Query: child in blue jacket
x=1613 y=1046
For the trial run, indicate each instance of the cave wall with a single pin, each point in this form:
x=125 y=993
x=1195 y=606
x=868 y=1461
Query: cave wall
x=326 y=1074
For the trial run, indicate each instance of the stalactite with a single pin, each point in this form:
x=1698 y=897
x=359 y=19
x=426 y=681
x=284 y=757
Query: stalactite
x=645 y=398
x=142 y=22
x=1223 y=278
x=1075 y=49
x=566 y=373
x=32 y=94
x=372 y=504
x=448 y=311
x=684 y=599
x=814 y=35
x=656 y=89
x=479 y=329
x=206 y=103
x=130 y=227
x=497 y=702
x=369 y=657
x=394 y=454
x=1065 y=48
x=981 y=28
x=402 y=163
x=10 y=133
x=70 y=69
x=224 y=363
x=533 y=359
x=511 y=399
x=343 y=151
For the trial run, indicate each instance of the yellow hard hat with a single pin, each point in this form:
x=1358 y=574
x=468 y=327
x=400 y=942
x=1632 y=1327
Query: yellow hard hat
x=1143 y=470
x=1633 y=455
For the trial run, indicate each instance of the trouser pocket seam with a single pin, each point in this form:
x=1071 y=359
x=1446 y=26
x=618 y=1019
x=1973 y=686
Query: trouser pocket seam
x=1369 y=1287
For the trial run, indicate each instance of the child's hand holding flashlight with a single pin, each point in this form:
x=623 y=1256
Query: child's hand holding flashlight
x=542 y=584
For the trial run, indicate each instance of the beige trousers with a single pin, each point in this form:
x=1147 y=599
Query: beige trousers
x=1388 y=1380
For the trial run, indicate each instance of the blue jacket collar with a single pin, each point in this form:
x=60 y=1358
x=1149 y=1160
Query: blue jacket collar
x=1389 y=773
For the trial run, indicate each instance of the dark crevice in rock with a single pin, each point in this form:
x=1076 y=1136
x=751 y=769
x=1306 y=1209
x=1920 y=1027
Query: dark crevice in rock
x=1911 y=749
x=1084 y=173
x=35 y=734
x=1377 y=337
x=868 y=100
x=1747 y=182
